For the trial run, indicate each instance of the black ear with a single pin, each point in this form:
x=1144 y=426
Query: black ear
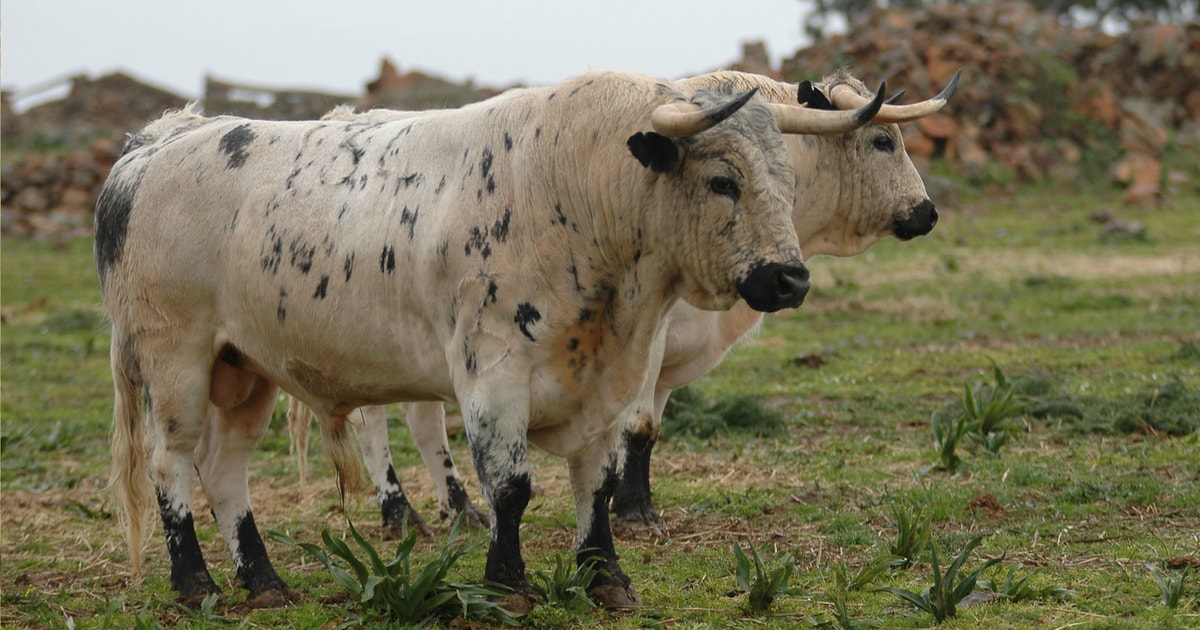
x=811 y=97
x=651 y=149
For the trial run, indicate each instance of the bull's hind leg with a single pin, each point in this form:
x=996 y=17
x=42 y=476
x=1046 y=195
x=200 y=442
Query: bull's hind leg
x=398 y=513
x=427 y=423
x=239 y=417
x=593 y=478
x=178 y=402
x=633 y=503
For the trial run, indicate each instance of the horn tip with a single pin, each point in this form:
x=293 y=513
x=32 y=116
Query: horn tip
x=868 y=111
x=950 y=88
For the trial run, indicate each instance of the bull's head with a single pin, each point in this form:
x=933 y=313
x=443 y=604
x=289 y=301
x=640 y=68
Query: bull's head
x=722 y=155
x=857 y=187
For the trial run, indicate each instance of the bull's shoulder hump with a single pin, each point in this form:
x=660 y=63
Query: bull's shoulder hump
x=769 y=89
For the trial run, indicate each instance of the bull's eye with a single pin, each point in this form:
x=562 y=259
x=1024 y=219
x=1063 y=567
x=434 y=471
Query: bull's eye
x=884 y=143
x=721 y=185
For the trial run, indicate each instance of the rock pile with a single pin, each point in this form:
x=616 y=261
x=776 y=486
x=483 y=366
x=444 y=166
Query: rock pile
x=52 y=195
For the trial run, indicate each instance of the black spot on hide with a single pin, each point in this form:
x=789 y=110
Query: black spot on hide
x=113 y=210
x=485 y=163
x=280 y=311
x=234 y=145
x=348 y=266
x=469 y=359
x=457 y=495
x=526 y=316
x=302 y=255
x=272 y=254
x=500 y=227
x=321 y=287
x=387 y=259
x=409 y=218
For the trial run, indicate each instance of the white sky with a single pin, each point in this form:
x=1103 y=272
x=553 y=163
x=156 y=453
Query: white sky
x=337 y=46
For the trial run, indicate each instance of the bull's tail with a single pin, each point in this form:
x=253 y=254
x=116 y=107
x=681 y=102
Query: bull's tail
x=340 y=447
x=299 y=423
x=129 y=480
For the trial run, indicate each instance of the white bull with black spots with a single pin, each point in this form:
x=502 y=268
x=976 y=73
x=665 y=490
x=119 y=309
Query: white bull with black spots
x=517 y=256
x=852 y=189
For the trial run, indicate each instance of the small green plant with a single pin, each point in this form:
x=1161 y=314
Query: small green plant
x=941 y=599
x=1019 y=590
x=948 y=432
x=1169 y=586
x=913 y=527
x=394 y=590
x=841 y=615
x=764 y=589
x=566 y=586
x=866 y=574
x=986 y=417
x=979 y=418
x=844 y=582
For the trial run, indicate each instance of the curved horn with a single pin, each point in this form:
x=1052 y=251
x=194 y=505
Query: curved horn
x=796 y=119
x=679 y=119
x=844 y=97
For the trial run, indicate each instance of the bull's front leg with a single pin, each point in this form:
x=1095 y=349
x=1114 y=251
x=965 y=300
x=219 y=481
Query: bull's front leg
x=496 y=427
x=593 y=479
x=398 y=512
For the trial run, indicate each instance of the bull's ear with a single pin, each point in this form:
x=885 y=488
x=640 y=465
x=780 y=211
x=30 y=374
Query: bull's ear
x=653 y=150
x=808 y=95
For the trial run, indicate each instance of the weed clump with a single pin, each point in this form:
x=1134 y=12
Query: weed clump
x=688 y=414
x=1170 y=408
x=395 y=590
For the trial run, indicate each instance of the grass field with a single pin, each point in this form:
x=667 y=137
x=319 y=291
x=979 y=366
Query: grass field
x=1097 y=330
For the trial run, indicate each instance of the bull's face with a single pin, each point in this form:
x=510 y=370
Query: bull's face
x=725 y=198
x=856 y=188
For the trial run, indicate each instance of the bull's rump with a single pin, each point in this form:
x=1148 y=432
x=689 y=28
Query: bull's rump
x=295 y=244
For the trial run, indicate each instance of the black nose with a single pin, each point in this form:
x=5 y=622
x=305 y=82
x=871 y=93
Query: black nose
x=920 y=221
x=773 y=286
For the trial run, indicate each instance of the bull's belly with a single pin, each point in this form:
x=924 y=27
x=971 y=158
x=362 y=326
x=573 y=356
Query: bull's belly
x=354 y=368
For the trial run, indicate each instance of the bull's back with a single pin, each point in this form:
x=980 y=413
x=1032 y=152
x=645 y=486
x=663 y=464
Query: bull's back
x=296 y=243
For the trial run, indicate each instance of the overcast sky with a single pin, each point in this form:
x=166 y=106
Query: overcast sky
x=337 y=46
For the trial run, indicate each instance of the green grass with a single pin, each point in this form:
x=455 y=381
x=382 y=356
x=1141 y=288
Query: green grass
x=1099 y=480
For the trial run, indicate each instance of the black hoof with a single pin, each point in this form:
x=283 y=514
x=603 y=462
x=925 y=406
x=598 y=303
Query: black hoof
x=471 y=519
x=274 y=598
x=397 y=530
x=614 y=596
x=522 y=601
x=640 y=523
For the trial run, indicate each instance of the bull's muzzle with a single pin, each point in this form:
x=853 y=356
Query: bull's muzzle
x=774 y=286
x=920 y=221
